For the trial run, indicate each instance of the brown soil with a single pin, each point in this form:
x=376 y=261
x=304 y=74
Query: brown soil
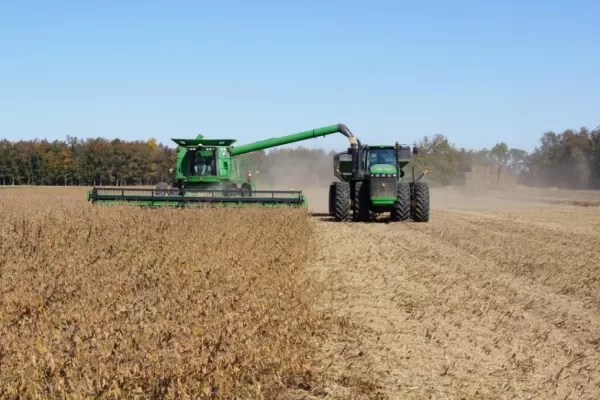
x=495 y=297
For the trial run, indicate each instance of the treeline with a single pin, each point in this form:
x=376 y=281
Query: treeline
x=570 y=159
x=100 y=161
x=84 y=162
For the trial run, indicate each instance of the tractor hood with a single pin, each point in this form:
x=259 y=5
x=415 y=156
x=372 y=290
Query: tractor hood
x=383 y=169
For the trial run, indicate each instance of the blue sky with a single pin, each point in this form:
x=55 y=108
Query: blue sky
x=391 y=70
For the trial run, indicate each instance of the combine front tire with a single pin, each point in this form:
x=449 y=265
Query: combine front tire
x=420 y=212
x=162 y=188
x=342 y=201
x=246 y=190
x=361 y=201
x=401 y=210
x=231 y=190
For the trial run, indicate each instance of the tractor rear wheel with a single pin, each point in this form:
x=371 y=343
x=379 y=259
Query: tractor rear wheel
x=420 y=212
x=361 y=201
x=401 y=210
x=342 y=201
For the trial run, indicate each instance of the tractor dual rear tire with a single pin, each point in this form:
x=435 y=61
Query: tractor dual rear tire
x=361 y=212
x=401 y=210
x=332 y=199
x=420 y=202
x=341 y=201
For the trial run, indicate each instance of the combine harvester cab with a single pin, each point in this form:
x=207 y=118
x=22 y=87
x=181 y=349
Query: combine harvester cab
x=209 y=173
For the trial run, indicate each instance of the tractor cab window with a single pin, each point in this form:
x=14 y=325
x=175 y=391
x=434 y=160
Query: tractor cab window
x=381 y=156
x=204 y=163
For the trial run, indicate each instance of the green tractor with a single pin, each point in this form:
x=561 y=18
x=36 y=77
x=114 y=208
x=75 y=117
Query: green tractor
x=209 y=172
x=373 y=181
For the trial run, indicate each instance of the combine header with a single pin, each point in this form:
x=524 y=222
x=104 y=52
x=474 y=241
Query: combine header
x=207 y=172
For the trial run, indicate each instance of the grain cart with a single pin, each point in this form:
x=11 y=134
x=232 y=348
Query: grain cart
x=373 y=180
x=207 y=172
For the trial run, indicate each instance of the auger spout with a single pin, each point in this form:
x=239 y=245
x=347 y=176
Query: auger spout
x=295 y=137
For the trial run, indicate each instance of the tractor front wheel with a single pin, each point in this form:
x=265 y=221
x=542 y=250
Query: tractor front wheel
x=420 y=211
x=342 y=201
x=332 y=199
x=401 y=210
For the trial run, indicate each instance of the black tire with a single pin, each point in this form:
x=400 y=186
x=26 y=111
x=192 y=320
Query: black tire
x=420 y=212
x=401 y=210
x=231 y=190
x=181 y=189
x=246 y=190
x=361 y=201
x=342 y=201
x=162 y=188
x=332 y=199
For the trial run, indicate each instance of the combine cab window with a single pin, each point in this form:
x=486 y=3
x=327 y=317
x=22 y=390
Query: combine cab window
x=203 y=163
x=381 y=156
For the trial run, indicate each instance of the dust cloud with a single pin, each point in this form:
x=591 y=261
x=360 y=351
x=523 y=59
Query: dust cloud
x=305 y=168
x=446 y=199
x=309 y=170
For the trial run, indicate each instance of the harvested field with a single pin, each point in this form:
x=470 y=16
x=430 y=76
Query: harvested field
x=496 y=297
x=491 y=299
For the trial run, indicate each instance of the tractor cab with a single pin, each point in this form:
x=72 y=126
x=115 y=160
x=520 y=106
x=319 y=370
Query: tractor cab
x=381 y=160
x=381 y=156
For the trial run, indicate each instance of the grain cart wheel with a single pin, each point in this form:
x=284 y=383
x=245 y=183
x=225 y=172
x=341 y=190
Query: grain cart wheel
x=342 y=201
x=401 y=210
x=420 y=212
x=361 y=201
x=332 y=199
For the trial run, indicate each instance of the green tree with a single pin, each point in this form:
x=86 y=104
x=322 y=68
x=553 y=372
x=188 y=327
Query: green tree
x=440 y=156
x=500 y=154
x=518 y=160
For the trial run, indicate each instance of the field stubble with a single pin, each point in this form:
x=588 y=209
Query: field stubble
x=496 y=297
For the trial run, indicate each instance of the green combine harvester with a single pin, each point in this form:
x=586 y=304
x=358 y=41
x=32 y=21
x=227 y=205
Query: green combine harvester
x=373 y=181
x=207 y=172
